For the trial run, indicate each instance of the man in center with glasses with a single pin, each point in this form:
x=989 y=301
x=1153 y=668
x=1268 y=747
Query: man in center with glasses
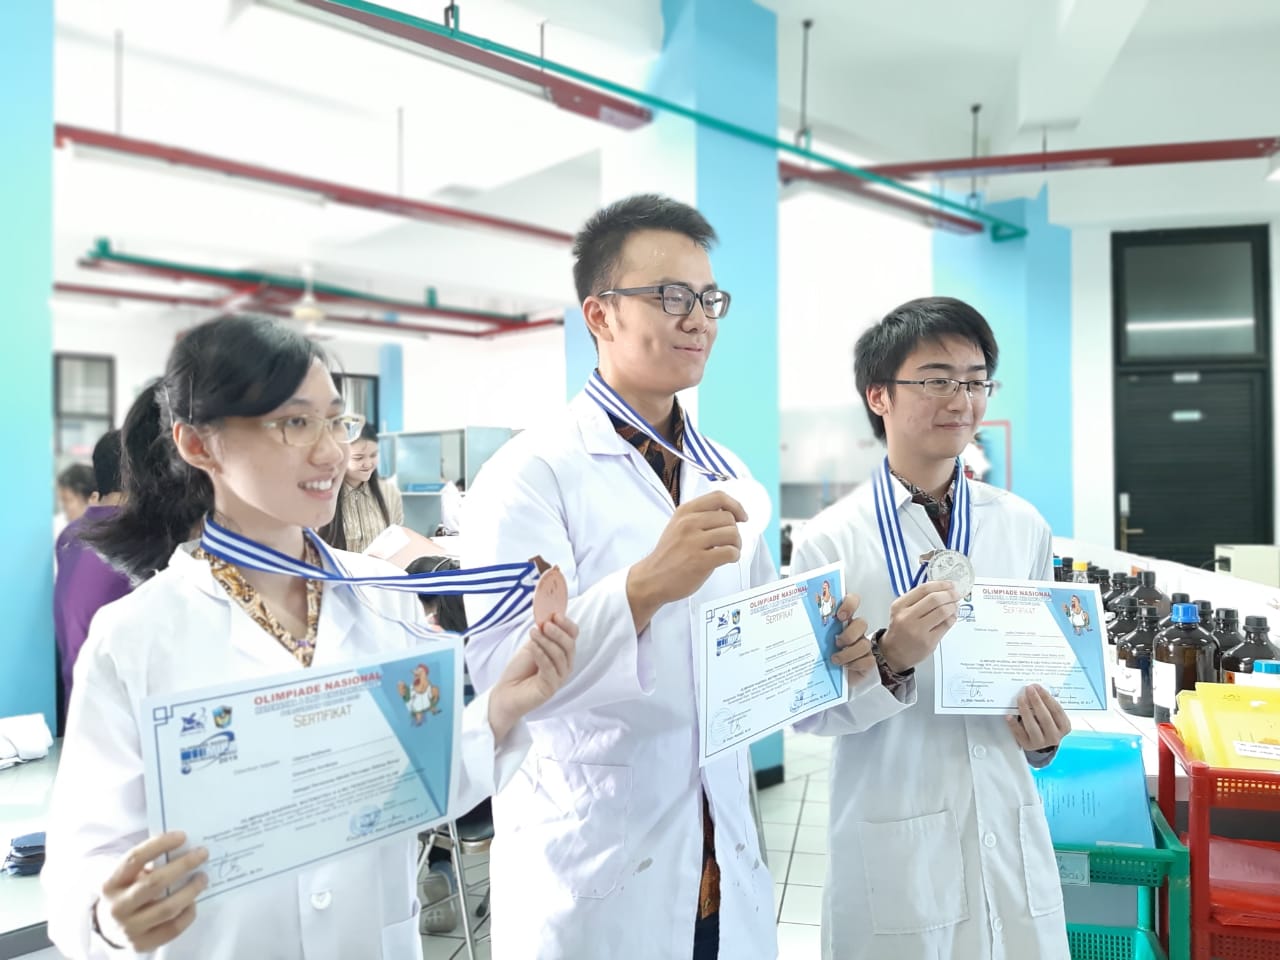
x=612 y=842
x=938 y=848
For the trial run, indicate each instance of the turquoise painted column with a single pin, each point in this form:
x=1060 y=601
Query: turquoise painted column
x=26 y=278
x=390 y=388
x=1023 y=288
x=720 y=57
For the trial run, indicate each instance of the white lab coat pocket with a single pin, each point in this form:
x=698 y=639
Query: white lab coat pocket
x=1039 y=866
x=402 y=941
x=915 y=873
x=587 y=845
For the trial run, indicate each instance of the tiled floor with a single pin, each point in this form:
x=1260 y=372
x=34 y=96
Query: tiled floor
x=795 y=833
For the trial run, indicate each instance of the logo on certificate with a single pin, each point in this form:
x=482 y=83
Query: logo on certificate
x=721 y=621
x=728 y=641
x=222 y=717
x=220 y=748
x=965 y=613
x=193 y=723
x=737 y=617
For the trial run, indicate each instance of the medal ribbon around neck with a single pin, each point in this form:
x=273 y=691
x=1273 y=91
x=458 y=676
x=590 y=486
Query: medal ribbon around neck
x=514 y=581
x=890 y=525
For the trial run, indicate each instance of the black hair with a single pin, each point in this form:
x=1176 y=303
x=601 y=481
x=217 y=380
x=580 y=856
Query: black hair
x=232 y=366
x=598 y=246
x=881 y=350
x=78 y=478
x=334 y=532
x=106 y=463
x=450 y=612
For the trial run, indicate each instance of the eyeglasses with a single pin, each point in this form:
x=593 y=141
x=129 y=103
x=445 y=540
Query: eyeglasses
x=678 y=299
x=948 y=386
x=305 y=430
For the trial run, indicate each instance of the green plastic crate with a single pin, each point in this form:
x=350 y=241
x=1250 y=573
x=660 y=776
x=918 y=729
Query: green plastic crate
x=1130 y=866
x=1112 y=943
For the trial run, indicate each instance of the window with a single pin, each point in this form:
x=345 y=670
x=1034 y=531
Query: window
x=1184 y=295
x=361 y=395
x=84 y=390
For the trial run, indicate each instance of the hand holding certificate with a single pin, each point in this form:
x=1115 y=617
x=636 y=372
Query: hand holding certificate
x=275 y=773
x=1010 y=635
x=764 y=659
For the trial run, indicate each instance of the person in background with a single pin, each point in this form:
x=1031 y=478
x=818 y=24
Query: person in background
x=439 y=912
x=366 y=506
x=451 y=499
x=84 y=581
x=76 y=485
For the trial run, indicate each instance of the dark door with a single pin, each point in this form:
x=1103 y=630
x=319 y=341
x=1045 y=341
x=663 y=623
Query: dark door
x=1194 y=461
x=1193 y=391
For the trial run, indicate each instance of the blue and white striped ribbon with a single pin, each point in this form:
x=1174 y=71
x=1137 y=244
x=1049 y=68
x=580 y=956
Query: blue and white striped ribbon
x=895 y=547
x=699 y=452
x=515 y=581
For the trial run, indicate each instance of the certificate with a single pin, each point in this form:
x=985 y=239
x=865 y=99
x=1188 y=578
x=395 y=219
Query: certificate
x=276 y=773
x=1013 y=633
x=764 y=659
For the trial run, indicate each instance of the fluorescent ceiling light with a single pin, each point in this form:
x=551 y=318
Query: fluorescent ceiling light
x=1155 y=326
x=155 y=165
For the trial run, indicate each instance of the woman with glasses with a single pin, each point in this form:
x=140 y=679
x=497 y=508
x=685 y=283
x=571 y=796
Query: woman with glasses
x=245 y=428
x=365 y=506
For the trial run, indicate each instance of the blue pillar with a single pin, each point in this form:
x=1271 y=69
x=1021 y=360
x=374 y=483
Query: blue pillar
x=390 y=388
x=26 y=278
x=720 y=58
x=1023 y=288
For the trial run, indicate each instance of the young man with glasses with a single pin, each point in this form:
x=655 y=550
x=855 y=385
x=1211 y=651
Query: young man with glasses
x=612 y=841
x=937 y=845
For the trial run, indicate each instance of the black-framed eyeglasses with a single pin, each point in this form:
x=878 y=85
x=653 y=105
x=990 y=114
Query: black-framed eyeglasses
x=678 y=298
x=949 y=386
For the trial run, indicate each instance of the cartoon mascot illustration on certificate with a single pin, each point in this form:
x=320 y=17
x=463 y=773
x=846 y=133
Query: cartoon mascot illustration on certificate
x=1077 y=615
x=421 y=696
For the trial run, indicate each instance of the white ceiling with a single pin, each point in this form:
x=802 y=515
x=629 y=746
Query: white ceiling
x=889 y=82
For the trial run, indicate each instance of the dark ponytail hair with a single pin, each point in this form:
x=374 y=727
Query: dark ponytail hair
x=450 y=612
x=233 y=366
x=334 y=532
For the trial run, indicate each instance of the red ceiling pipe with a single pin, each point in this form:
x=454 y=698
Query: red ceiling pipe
x=211 y=303
x=268 y=299
x=838 y=180
x=335 y=192
x=565 y=94
x=1205 y=151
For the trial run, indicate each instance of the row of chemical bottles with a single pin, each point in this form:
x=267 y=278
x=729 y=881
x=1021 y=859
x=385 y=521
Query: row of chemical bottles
x=1160 y=645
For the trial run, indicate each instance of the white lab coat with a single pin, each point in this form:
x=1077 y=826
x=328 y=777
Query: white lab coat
x=598 y=846
x=938 y=845
x=181 y=630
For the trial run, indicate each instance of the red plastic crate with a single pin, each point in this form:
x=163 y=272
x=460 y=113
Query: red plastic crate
x=1215 y=788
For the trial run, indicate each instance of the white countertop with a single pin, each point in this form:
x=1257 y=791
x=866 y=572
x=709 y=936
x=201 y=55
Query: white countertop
x=24 y=804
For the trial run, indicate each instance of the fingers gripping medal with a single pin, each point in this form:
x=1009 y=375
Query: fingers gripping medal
x=550 y=596
x=755 y=501
x=954 y=566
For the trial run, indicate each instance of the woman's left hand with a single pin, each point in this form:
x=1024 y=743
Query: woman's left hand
x=535 y=673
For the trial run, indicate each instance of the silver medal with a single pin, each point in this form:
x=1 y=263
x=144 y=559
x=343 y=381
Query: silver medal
x=954 y=566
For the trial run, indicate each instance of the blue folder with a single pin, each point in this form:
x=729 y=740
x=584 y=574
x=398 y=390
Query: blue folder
x=1095 y=791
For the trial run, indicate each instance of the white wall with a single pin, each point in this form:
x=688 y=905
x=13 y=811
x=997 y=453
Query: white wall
x=516 y=380
x=842 y=266
x=1096 y=203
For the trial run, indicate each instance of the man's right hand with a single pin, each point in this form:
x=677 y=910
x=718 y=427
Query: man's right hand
x=134 y=911
x=918 y=620
x=701 y=535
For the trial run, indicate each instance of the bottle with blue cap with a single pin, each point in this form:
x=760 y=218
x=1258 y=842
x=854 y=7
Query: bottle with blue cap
x=1266 y=673
x=1240 y=660
x=1182 y=658
x=1057 y=569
